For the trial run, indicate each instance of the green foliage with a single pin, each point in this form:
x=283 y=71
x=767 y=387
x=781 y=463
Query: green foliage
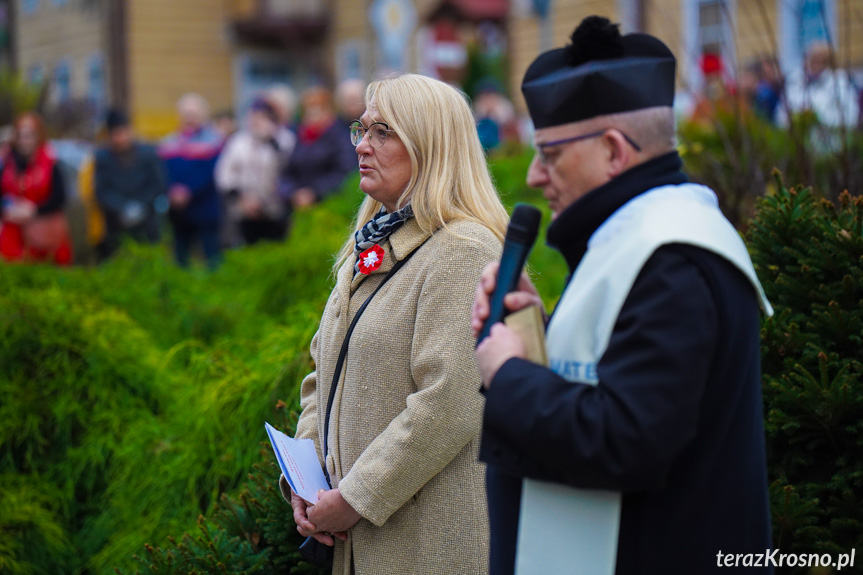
x=734 y=153
x=132 y=393
x=808 y=252
x=16 y=96
x=32 y=537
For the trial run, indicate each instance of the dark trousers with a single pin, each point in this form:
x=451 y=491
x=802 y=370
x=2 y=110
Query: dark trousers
x=187 y=234
x=146 y=232
x=255 y=231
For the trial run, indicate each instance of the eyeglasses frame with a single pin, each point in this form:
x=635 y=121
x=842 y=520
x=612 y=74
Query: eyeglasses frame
x=544 y=160
x=366 y=131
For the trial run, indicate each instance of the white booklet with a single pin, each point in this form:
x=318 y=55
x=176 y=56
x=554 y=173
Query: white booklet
x=298 y=460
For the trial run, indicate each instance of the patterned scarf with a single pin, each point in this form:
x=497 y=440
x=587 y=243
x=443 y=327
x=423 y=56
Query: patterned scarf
x=378 y=229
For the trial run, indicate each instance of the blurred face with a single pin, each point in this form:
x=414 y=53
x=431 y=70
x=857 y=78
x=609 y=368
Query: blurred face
x=27 y=137
x=351 y=101
x=317 y=115
x=260 y=125
x=384 y=171
x=817 y=62
x=120 y=138
x=570 y=170
x=191 y=118
x=770 y=71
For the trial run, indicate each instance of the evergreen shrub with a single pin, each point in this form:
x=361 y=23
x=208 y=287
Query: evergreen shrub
x=808 y=252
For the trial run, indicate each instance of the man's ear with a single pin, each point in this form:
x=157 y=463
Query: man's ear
x=620 y=153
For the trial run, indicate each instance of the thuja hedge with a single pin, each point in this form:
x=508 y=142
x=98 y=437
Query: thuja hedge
x=132 y=396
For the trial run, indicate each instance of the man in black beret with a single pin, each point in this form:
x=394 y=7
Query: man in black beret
x=641 y=448
x=128 y=179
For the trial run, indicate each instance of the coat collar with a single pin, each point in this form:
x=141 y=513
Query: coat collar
x=398 y=245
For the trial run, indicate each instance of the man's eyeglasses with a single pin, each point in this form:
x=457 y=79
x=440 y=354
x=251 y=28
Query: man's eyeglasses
x=377 y=133
x=540 y=148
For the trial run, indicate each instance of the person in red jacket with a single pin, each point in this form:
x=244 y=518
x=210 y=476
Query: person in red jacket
x=34 y=227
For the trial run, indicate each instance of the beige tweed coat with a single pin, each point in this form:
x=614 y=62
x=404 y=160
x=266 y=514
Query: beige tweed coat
x=407 y=414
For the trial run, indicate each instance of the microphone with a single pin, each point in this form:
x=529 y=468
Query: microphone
x=520 y=236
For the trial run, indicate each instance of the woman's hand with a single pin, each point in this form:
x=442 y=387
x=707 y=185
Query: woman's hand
x=332 y=513
x=305 y=527
x=19 y=211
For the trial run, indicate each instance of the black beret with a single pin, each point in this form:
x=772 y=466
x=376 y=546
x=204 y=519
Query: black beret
x=116 y=118
x=600 y=73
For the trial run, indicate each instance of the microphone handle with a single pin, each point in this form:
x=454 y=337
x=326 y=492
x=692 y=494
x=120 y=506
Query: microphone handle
x=511 y=264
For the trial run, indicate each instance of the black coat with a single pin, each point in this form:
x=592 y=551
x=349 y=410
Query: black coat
x=675 y=423
x=135 y=176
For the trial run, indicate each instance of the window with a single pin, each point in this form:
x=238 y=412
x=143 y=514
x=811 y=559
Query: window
x=62 y=81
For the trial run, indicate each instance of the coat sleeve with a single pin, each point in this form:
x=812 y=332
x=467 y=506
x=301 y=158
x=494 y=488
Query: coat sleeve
x=56 y=200
x=155 y=184
x=624 y=433
x=106 y=192
x=444 y=414
x=307 y=424
x=227 y=167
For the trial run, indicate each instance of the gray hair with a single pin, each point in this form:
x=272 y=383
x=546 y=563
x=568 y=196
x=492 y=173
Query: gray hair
x=653 y=129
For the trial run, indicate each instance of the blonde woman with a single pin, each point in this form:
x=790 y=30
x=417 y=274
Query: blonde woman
x=408 y=495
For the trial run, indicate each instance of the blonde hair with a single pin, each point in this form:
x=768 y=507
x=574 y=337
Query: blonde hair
x=449 y=180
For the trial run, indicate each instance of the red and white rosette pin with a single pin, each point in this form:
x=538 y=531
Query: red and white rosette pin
x=371 y=259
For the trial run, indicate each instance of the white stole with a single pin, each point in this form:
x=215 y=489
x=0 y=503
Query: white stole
x=564 y=530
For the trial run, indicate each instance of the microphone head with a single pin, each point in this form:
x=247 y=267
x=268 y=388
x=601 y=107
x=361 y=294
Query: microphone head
x=524 y=224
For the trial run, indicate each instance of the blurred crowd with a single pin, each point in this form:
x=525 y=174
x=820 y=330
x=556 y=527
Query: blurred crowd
x=820 y=87
x=218 y=183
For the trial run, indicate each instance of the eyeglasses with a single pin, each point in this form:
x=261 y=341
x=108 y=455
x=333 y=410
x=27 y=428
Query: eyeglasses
x=377 y=133
x=540 y=148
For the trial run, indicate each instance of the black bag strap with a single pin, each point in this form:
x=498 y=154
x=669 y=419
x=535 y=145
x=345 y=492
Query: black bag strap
x=344 y=351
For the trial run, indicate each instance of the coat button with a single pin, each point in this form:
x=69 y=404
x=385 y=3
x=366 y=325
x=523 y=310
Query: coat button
x=331 y=467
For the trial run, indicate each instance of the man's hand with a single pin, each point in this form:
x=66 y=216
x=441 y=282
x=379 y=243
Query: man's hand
x=305 y=527
x=251 y=207
x=502 y=344
x=332 y=514
x=524 y=296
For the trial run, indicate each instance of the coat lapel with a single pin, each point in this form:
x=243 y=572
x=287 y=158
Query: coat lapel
x=402 y=242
